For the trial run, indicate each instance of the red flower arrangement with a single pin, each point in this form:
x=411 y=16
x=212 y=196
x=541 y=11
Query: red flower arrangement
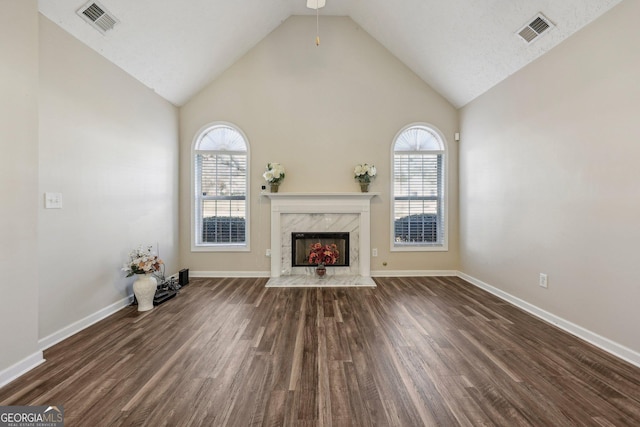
x=323 y=254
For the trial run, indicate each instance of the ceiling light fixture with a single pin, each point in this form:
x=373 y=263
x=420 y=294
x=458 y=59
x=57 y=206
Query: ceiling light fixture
x=316 y=4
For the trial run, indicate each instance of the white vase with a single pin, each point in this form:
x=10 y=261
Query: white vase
x=144 y=289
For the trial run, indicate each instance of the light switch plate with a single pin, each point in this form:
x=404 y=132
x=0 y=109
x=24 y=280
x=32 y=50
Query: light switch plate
x=53 y=200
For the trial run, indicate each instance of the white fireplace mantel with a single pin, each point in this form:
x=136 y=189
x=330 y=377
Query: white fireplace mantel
x=319 y=196
x=321 y=203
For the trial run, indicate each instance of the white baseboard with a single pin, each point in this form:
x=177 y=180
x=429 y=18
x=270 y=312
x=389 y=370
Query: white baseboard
x=75 y=327
x=413 y=273
x=20 y=368
x=605 y=344
x=208 y=274
x=378 y=273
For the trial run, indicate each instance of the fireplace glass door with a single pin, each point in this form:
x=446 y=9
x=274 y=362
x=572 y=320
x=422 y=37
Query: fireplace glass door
x=310 y=249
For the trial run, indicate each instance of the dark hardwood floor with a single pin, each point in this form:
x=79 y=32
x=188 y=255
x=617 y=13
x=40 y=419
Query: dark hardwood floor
x=412 y=352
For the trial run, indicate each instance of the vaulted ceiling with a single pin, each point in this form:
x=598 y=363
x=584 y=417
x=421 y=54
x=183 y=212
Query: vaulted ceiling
x=461 y=48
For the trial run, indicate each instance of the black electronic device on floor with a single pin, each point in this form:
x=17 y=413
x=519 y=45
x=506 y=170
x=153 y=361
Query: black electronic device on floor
x=166 y=290
x=183 y=277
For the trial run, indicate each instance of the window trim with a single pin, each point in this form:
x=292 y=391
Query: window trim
x=216 y=247
x=444 y=247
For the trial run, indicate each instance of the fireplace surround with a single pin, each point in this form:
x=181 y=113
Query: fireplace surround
x=319 y=213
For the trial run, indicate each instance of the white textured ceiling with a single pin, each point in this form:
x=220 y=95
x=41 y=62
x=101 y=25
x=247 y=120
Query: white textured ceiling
x=461 y=48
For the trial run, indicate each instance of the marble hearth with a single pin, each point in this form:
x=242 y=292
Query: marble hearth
x=320 y=212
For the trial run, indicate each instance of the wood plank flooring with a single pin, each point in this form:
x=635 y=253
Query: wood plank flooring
x=411 y=352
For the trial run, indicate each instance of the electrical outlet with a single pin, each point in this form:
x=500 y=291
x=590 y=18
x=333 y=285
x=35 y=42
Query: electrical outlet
x=543 y=281
x=268 y=253
x=374 y=252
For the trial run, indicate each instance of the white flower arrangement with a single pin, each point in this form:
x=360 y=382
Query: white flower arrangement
x=142 y=261
x=274 y=173
x=364 y=173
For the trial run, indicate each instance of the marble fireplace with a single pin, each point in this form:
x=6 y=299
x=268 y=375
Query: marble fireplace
x=318 y=213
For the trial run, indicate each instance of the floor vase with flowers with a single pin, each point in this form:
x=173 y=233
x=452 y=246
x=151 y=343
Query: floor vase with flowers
x=144 y=288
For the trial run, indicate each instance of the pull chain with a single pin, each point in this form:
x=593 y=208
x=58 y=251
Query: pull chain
x=317 y=24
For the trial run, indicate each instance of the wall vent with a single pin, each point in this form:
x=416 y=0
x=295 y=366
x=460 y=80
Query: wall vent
x=534 y=29
x=97 y=16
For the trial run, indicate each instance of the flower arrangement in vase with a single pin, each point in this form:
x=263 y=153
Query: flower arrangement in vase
x=364 y=173
x=274 y=174
x=322 y=255
x=144 y=263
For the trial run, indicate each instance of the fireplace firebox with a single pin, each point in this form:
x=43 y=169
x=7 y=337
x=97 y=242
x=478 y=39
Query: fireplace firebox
x=301 y=247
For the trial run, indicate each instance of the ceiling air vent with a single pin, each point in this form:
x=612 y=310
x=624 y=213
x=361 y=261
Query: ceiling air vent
x=97 y=16
x=535 y=28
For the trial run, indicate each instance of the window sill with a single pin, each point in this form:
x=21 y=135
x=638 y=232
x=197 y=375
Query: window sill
x=419 y=248
x=220 y=248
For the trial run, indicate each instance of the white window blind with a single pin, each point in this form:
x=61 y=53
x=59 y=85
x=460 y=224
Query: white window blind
x=418 y=189
x=221 y=182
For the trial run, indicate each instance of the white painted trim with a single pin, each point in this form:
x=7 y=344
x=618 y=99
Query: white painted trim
x=211 y=274
x=315 y=196
x=75 y=327
x=419 y=248
x=195 y=247
x=605 y=344
x=444 y=247
x=413 y=273
x=376 y=273
x=20 y=368
x=221 y=248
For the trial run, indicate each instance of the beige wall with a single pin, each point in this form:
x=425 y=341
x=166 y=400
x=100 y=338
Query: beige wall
x=319 y=111
x=550 y=180
x=109 y=145
x=18 y=180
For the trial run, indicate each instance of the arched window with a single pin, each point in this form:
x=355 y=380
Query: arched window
x=220 y=189
x=419 y=204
